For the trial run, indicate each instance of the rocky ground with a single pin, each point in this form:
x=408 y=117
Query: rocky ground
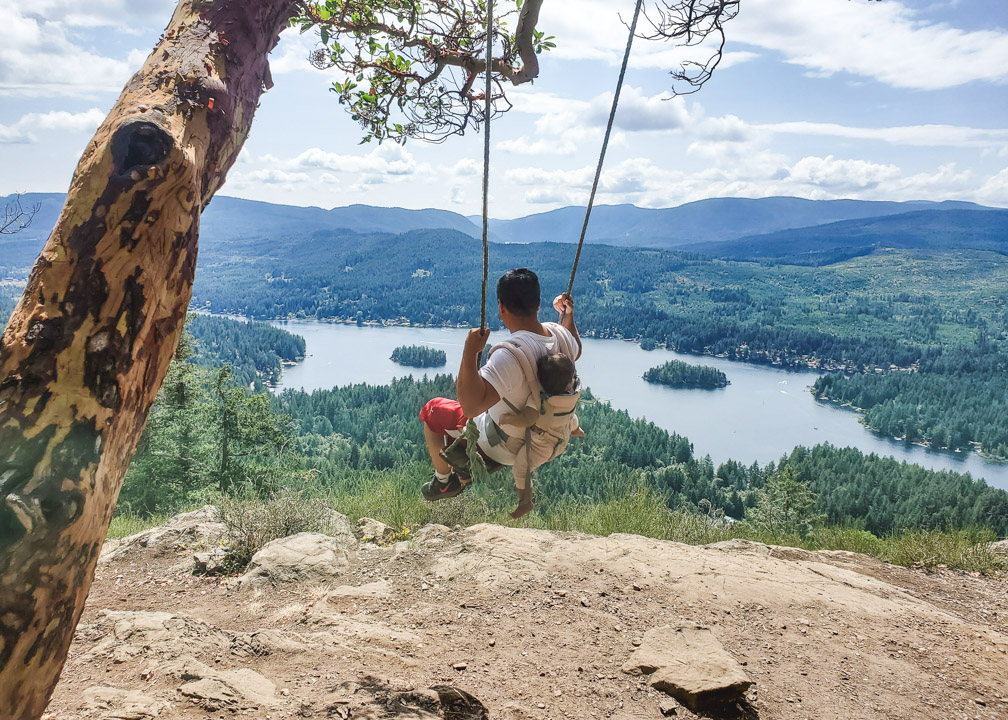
x=514 y=624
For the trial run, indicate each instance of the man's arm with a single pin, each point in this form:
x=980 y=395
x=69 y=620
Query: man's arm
x=564 y=303
x=474 y=393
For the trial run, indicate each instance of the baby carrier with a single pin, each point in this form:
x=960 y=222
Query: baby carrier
x=548 y=419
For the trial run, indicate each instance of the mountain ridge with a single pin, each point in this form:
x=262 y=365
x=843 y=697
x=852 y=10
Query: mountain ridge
x=834 y=242
x=712 y=220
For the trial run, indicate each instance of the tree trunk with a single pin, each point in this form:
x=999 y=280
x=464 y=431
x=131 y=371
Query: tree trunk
x=88 y=346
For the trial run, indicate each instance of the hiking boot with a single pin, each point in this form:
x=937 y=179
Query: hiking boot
x=437 y=489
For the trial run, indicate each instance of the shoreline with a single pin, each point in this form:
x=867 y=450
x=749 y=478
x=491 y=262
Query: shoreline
x=812 y=364
x=972 y=449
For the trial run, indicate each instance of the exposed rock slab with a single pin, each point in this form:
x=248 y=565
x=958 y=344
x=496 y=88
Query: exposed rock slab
x=216 y=690
x=378 y=589
x=687 y=662
x=1001 y=548
x=301 y=558
x=123 y=635
x=197 y=530
x=108 y=703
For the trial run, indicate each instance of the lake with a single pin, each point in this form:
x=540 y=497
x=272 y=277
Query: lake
x=763 y=414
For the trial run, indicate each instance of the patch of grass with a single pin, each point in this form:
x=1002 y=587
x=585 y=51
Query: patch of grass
x=846 y=538
x=958 y=549
x=393 y=497
x=130 y=524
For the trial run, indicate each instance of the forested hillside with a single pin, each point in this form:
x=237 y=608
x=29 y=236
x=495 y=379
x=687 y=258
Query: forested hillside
x=893 y=308
x=828 y=244
x=948 y=403
x=918 y=309
x=10 y=293
x=254 y=350
x=206 y=435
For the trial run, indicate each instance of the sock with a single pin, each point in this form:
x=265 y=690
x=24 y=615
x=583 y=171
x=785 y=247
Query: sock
x=442 y=476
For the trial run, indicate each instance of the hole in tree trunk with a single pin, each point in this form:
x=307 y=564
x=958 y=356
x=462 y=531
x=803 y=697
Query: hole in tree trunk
x=139 y=143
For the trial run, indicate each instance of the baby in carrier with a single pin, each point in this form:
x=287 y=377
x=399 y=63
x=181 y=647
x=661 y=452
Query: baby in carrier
x=549 y=423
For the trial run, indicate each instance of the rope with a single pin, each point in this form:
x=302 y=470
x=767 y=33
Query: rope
x=486 y=162
x=477 y=466
x=605 y=145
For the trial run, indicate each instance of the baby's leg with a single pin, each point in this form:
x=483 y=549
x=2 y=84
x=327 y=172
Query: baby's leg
x=523 y=483
x=525 y=504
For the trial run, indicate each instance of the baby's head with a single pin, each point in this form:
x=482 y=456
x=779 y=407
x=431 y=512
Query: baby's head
x=556 y=373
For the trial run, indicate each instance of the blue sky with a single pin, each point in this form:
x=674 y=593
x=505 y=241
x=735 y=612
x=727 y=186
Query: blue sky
x=868 y=99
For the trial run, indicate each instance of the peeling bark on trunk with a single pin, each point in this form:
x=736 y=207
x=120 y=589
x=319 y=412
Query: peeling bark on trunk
x=88 y=346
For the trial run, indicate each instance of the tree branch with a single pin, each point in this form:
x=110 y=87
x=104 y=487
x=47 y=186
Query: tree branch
x=16 y=217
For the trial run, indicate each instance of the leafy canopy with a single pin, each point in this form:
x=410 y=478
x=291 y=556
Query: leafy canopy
x=410 y=67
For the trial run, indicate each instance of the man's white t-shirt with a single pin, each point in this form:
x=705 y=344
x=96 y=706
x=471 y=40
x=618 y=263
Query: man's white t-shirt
x=504 y=373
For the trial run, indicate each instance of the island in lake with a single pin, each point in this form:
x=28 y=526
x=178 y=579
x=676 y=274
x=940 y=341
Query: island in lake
x=419 y=356
x=678 y=374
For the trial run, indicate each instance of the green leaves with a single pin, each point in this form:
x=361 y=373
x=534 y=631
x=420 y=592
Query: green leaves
x=541 y=41
x=410 y=67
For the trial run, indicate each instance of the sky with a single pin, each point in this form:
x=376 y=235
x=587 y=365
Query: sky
x=820 y=99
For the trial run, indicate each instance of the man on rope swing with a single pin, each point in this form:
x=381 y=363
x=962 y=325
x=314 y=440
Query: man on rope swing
x=496 y=396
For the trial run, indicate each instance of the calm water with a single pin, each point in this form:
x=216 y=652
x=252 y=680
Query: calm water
x=764 y=413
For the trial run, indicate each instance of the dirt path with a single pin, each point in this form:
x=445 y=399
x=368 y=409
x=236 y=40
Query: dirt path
x=537 y=625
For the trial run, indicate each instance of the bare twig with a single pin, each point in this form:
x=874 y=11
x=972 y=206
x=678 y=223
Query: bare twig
x=691 y=23
x=17 y=217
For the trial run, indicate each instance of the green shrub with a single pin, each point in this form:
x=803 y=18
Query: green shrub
x=250 y=522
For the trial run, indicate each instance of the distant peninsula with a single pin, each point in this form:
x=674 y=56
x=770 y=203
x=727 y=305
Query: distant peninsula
x=677 y=374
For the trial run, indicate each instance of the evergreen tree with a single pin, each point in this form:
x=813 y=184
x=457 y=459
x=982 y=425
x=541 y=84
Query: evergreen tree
x=785 y=506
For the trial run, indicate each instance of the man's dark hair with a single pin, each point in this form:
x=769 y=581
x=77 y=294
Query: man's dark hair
x=518 y=291
x=555 y=373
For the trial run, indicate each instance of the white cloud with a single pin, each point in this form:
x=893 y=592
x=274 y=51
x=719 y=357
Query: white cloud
x=637 y=111
x=913 y=135
x=759 y=174
x=995 y=190
x=386 y=164
x=120 y=14
x=386 y=159
x=273 y=176
x=39 y=58
x=883 y=41
x=291 y=54
x=729 y=129
x=466 y=167
x=538 y=147
x=841 y=176
x=25 y=129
